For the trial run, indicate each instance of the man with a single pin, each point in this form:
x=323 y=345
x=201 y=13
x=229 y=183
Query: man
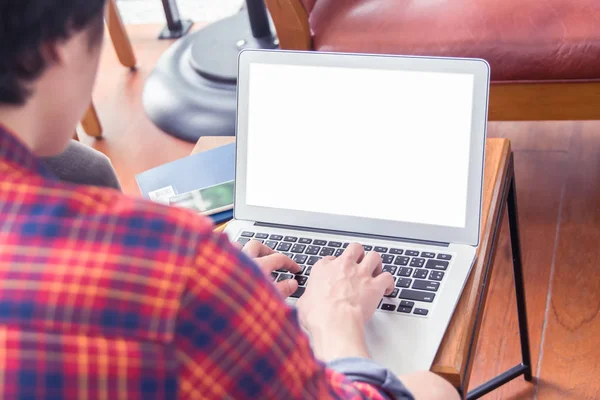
x=102 y=296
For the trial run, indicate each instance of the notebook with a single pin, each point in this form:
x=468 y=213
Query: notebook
x=175 y=183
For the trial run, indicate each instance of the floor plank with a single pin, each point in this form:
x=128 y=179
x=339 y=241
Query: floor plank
x=540 y=179
x=569 y=363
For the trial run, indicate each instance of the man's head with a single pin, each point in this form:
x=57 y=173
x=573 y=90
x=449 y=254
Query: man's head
x=49 y=53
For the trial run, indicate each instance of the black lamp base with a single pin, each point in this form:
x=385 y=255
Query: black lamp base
x=215 y=51
x=192 y=91
x=182 y=102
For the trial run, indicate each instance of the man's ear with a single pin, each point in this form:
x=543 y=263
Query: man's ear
x=53 y=52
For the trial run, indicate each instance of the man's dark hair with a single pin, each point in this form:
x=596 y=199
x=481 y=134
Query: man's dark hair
x=27 y=24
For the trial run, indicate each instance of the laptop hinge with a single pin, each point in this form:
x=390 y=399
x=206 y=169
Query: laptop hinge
x=365 y=235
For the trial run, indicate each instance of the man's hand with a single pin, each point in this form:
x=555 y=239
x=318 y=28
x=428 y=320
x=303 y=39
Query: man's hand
x=341 y=296
x=269 y=260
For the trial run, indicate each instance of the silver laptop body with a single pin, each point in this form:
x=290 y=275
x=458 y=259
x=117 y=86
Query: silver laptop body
x=387 y=151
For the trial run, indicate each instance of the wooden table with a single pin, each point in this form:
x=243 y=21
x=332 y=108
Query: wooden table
x=455 y=357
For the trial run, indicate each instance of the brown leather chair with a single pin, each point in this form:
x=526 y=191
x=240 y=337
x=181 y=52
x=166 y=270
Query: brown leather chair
x=544 y=55
x=90 y=122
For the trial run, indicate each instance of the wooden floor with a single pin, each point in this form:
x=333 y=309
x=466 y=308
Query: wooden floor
x=558 y=181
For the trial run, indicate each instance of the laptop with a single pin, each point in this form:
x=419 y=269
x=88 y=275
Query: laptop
x=386 y=151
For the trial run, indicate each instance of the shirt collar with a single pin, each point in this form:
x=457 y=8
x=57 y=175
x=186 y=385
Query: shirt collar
x=14 y=153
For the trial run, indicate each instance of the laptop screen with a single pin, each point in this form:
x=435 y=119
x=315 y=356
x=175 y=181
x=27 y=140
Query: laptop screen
x=382 y=144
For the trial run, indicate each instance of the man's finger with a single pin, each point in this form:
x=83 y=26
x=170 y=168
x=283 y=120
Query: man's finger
x=378 y=269
x=238 y=245
x=255 y=249
x=287 y=287
x=372 y=263
x=385 y=282
x=355 y=252
x=277 y=261
x=323 y=259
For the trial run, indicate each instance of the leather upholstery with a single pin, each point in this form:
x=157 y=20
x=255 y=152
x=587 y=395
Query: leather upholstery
x=522 y=40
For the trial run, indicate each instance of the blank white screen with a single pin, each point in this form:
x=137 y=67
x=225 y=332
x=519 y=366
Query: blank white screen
x=383 y=144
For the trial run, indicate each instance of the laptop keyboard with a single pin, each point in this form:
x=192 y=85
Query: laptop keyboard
x=417 y=274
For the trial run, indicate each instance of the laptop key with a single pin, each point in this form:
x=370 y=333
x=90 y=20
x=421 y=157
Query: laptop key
x=427 y=254
x=435 y=275
x=393 y=294
x=444 y=257
x=319 y=242
x=313 y=250
x=367 y=247
x=300 y=258
x=387 y=258
x=298 y=248
x=290 y=255
x=416 y=295
x=334 y=244
x=345 y=245
x=301 y=279
x=307 y=272
x=411 y=253
x=417 y=262
x=388 y=307
x=426 y=285
x=396 y=251
x=327 y=251
x=274 y=276
x=262 y=235
x=243 y=241
x=437 y=264
x=302 y=268
x=299 y=292
x=422 y=273
x=403 y=282
x=305 y=241
x=409 y=304
x=406 y=310
x=275 y=237
x=405 y=271
x=390 y=268
x=271 y=244
x=284 y=246
x=420 y=311
x=284 y=277
x=313 y=260
x=338 y=252
x=290 y=239
x=401 y=260
x=247 y=234
x=380 y=249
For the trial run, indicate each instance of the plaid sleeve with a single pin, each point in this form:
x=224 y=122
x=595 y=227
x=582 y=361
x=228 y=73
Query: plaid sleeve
x=236 y=338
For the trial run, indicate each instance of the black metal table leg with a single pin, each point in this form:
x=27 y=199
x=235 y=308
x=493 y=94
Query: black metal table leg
x=515 y=240
x=525 y=367
x=176 y=27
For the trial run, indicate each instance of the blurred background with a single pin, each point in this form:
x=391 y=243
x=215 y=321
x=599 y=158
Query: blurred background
x=151 y=11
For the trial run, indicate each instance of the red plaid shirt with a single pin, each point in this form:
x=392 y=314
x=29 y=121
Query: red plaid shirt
x=107 y=297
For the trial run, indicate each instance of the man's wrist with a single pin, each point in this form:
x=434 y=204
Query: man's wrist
x=339 y=337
